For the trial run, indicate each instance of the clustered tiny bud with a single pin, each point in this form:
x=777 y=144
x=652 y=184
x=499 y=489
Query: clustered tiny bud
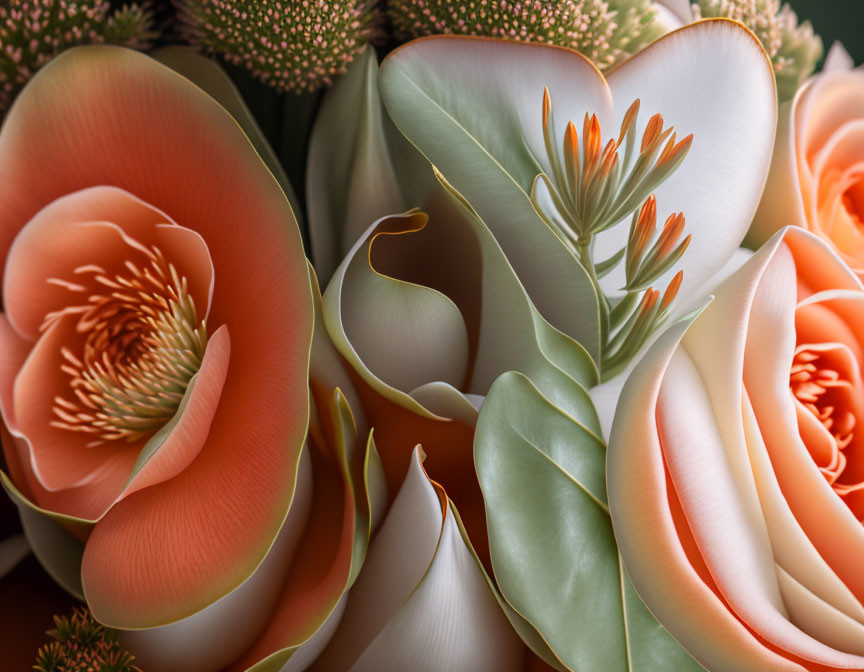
x=32 y=32
x=291 y=45
x=605 y=31
x=83 y=645
x=794 y=48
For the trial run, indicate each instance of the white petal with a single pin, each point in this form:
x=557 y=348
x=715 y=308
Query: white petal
x=679 y=8
x=838 y=58
x=448 y=402
x=451 y=622
x=397 y=560
x=351 y=179
x=218 y=634
x=714 y=80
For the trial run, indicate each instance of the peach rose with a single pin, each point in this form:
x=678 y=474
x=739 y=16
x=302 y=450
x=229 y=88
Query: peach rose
x=736 y=471
x=817 y=173
x=154 y=372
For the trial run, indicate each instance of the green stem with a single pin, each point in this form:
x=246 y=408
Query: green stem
x=583 y=252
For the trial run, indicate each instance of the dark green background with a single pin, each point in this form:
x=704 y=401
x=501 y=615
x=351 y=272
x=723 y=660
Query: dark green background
x=836 y=20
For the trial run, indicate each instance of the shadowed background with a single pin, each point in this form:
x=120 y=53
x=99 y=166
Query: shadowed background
x=836 y=20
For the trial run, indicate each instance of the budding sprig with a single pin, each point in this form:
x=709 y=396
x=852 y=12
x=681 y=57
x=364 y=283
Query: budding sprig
x=593 y=187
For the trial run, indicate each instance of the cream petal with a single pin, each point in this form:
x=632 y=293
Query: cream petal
x=445 y=400
x=351 y=178
x=212 y=638
x=829 y=625
x=791 y=547
x=782 y=203
x=838 y=59
x=422 y=601
x=679 y=8
x=666 y=18
x=648 y=536
x=396 y=562
x=714 y=80
x=406 y=334
x=452 y=621
x=716 y=485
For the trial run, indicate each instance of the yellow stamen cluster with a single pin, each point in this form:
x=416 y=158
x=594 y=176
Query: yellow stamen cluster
x=592 y=187
x=291 y=45
x=603 y=30
x=794 y=48
x=143 y=342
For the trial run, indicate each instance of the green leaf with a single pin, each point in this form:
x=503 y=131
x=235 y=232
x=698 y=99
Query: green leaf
x=474 y=135
x=553 y=548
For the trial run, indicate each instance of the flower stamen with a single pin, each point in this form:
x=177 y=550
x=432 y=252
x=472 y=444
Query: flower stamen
x=143 y=342
x=591 y=188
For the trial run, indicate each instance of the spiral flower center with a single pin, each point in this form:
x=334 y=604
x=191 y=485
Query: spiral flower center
x=823 y=390
x=142 y=344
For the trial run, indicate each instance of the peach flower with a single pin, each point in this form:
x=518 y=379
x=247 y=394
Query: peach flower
x=736 y=468
x=154 y=372
x=817 y=173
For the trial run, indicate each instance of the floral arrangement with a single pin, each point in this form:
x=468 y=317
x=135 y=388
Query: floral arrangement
x=485 y=336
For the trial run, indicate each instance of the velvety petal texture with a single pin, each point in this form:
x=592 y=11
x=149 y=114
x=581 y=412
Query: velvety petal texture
x=744 y=548
x=442 y=274
x=474 y=107
x=109 y=159
x=422 y=601
x=816 y=173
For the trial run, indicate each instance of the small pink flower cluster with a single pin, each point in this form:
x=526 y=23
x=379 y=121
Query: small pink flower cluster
x=600 y=30
x=32 y=32
x=289 y=45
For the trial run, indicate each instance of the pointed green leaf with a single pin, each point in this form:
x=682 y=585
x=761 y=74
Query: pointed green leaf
x=553 y=547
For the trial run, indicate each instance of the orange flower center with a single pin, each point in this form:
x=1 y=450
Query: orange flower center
x=142 y=345
x=824 y=390
x=853 y=202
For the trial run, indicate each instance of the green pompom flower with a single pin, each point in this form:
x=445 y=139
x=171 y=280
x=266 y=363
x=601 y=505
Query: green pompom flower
x=291 y=45
x=794 y=48
x=83 y=645
x=32 y=32
x=603 y=30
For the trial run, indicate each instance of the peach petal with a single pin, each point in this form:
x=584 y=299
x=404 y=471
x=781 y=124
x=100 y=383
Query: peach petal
x=829 y=102
x=62 y=459
x=214 y=637
x=792 y=549
x=173 y=548
x=829 y=625
x=186 y=439
x=318 y=578
x=639 y=500
x=13 y=353
x=100 y=226
x=736 y=551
